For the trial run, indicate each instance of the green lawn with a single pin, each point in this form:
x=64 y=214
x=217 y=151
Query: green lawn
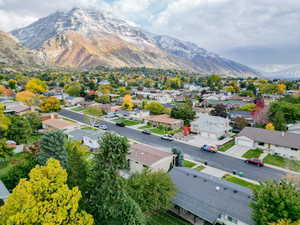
x=127 y=122
x=241 y=182
x=282 y=162
x=78 y=109
x=11 y=162
x=67 y=119
x=253 y=153
x=145 y=127
x=166 y=218
x=226 y=146
x=159 y=131
x=88 y=128
x=199 y=168
x=188 y=164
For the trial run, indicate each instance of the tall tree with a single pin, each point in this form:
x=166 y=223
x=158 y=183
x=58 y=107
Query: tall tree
x=19 y=129
x=219 y=110
x=35 y=85
x=50 y=104
x=127 y=102
x=155 y=108
x=44 y=198
x=108 y=200
x=179 y=159
x=279 y=121
x=184 y=112
x=275 y=201
x=53 y=146
x=34 y=120
x=153 y=191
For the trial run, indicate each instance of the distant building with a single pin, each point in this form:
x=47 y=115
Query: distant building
x=144 y=156
x=204 y=199
x=58 y=124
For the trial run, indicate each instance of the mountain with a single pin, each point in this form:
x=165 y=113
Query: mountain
x=87 y=38
x=12 y=53
x=279 y=71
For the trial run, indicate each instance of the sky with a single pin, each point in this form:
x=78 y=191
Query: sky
x=249 y=31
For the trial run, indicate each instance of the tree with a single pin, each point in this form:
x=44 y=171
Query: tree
x=104 y=99
x=155 y=108
x=127 y=102
x=219 y=110
x=53 y=146
x=279 y=121
x=4 y=120
x=281 y=88
x=77 y=164
x=92 y=115
x=73 y=89
x=247 y=107
x=240 y=123
x=50 y=104
x=5 y=150
x=275 y=201
x=179 y=160
x=285 y=222
x=35 y=85
x=19 y=129
x=27 y=97
x=44 y=198
x=184 y=112
x=153 y=191
x=270 y=126
x=12 y=84
x=108 y=200
x=215 y=82
x=34 y=120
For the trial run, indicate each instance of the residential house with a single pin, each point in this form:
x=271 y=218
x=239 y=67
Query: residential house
x=164 y=120
x=144 y=156
x=242 y=114
x=275 y=142
x=47 y=116
x=16 y=108
x=4 y=193
x=162 y=98
x=108 y=108
x=58 y=124
x=205 y=199
x=139 y=114
x=294 y=128
x=210 y=126
x=72 y=101
x=87 y=137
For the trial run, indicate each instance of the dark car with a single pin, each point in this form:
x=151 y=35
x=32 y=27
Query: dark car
x=146 y=132
x=209 y=148
x=120 y=124
x=255 y=161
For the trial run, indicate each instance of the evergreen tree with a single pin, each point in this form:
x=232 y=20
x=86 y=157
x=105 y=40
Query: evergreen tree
x=19 y=129
x=179 y=157
x=53 y=146
x=279 y=121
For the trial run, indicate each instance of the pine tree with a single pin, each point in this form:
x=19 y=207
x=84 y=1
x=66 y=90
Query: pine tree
x=53 y=146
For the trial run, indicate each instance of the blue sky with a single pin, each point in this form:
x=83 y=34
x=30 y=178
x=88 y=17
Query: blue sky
x=249 y=31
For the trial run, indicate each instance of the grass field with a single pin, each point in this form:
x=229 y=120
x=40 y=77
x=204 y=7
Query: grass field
x=226 y=146
x=253 y=153
x=88 y=128
x=166 y=218
x=127 y=122
x=188 y=164
x=282 y=162
x=145 y=127
x=241 y=182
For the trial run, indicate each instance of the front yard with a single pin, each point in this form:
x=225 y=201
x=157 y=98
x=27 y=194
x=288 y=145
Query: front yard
x=188 y=164
x=166 y=218
x=77 y=109
x=240 y=182
x=253 y=153
x=279 y=161
x=226 y=146
x=127 y=122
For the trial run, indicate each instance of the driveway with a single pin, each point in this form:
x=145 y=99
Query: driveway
x=237 y=151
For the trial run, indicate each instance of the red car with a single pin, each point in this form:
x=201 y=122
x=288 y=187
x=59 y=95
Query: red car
x=255 y=161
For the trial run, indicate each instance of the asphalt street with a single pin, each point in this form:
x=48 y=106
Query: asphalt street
x=220 y=161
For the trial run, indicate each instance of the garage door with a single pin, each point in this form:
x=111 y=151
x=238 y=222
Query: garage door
x=244 y=142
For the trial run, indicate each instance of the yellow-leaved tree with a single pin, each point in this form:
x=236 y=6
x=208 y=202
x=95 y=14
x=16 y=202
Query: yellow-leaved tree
x=286 y=222
x=28 y=97
x=127 y=102
x=50 y=104
x=35 y=85
x=44 y=198
x=270 y=126
x=281 y=88
x=4 y=120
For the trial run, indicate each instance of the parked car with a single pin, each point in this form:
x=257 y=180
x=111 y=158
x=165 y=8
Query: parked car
x=146 y=132
x=255 y=161
x=209 y=148
x=120 y=124
x=103 y=127
x=167 y=137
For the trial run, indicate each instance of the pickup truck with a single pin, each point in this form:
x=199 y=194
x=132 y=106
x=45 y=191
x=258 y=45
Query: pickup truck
x=209 y=148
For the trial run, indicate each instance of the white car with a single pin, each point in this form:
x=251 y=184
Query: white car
x=167 y=137
x=103 y=127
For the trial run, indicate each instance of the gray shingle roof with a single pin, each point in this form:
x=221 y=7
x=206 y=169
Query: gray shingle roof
x=279 y=138
x=78 y=134
x=197 y=193
x=4 y=193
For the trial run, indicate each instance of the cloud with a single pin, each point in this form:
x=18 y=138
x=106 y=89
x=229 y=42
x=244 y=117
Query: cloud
x=219 y=25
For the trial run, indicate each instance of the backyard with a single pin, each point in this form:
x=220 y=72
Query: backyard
x=253 y=153
x=240 y=182
x=226 y=146
x=166 y=218
x=279 y=161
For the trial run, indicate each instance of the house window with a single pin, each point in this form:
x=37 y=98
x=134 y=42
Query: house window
x=232 y=220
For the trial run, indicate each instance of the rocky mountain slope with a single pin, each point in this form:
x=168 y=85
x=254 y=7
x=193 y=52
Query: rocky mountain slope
x=279 y=71
x=87 y=38
x=12 y=53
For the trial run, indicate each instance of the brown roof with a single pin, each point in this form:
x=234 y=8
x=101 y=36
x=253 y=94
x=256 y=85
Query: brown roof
x=146 y=154
x=59 y=123
x=164 y=118
x=279 y=138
